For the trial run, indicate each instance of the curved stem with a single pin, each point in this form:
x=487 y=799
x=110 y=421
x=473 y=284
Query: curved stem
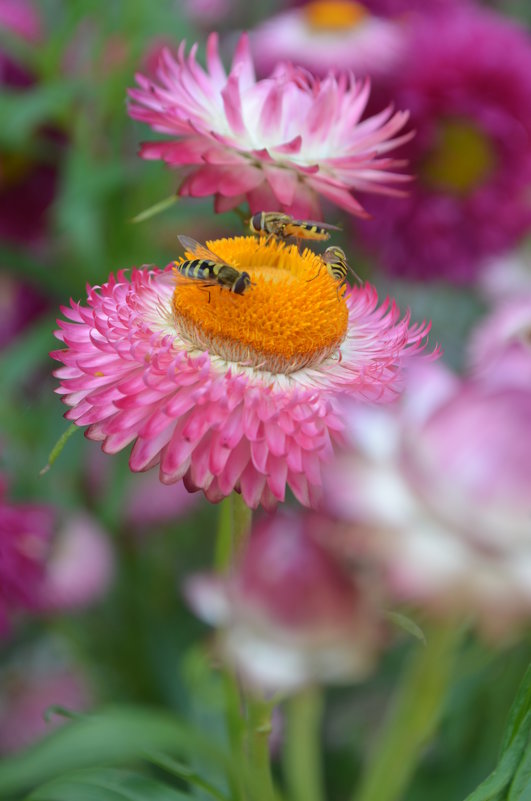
x=413 y=717
x=302 y=751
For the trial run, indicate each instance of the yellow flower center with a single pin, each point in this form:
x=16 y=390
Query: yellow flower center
x=292 y=316
x=462 y=159
x=334 y=15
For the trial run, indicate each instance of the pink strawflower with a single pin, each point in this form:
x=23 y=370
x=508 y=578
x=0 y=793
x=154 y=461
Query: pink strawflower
x=467 y=83
x=500 y=347
x=290 y=614
x=439 y=494
x=329 y=35
x=279 y=143
x=25 y=534
x=230 y=391
x=80 y=566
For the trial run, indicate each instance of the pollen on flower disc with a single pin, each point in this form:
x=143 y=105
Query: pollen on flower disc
x=291 y=317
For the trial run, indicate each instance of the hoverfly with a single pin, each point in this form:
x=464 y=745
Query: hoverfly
x=210 y=269
x=335 y=260
x=337 y=265
x=275 y=223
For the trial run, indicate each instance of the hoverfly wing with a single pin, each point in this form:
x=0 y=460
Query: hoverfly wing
x=198 y=250
x=318 y=223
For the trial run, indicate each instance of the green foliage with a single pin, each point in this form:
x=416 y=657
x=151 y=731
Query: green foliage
x=106 y=785
x=511 y=779
x=109 y=737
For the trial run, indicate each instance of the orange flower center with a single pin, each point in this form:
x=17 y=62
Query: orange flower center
x=462 y=159
x=292 y=316
x=334 y=15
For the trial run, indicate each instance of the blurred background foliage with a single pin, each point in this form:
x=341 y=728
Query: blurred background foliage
x=137 y=645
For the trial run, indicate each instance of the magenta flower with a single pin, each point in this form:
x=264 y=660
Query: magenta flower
x=467 y=84
x=289 y=613
x=405 y=8
x=230 y=391
x=439 y=494
x=279 y=143
x=25 y=534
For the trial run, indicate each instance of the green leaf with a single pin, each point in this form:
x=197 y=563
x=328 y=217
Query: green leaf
x=185 y=772
x=519 y=710
x=495 y=786
x=521 y=784
x=511 y=779
x=113 y=736
x=106 y=785
x=407 y=624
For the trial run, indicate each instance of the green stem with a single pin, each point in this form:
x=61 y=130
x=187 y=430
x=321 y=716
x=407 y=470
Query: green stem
x=302 y=751
x=234 y=524
x=260 y=778
x=157 y=208
x=413 y=717
x=223 y=553
x=241 y=521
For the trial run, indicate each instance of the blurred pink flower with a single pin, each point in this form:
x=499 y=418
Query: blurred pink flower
x=150 y=503
x=323 y=36
x=506 y=276
x=290 y=615
x=439 y=493
x=233 y=392
x=500 y=348
x=278 y=143
x=21 y=18
x=207 y=13
x=26 y=695
x=467 y=83
x=80 y=566
x=25 y=535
